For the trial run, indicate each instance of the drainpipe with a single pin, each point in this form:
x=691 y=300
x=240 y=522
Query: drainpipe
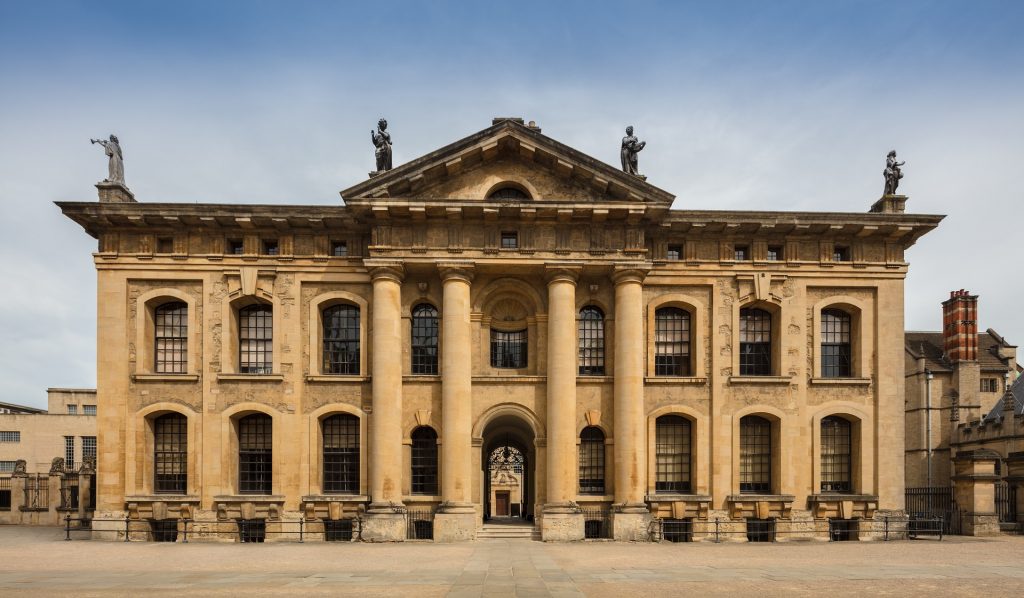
x=928 y=419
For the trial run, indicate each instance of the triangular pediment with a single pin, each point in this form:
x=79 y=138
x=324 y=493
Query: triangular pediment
x=508 y=154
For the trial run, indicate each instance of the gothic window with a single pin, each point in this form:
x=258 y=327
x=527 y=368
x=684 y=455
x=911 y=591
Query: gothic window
x=672 y=454
x=836 y=457
x=170 y=336
x=256 y=339
x=341 y=454
x=508 y=349
x=671 y=342
x=170 y=454
x=424 y=461
x=424 y=339
x=590 y=328
x=755 y=342
x=255 y=454
x=592 y=461
x=755 y=455
x=836 y=351
x=341 y=339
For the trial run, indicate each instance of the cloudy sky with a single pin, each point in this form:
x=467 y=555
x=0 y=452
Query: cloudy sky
x=744 y=105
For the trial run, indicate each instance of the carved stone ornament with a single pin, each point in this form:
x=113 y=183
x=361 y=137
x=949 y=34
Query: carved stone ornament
x=57 y=465
x=20 y=468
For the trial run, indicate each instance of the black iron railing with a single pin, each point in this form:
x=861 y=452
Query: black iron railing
x=770 y=530
x=419 y=524
x=597 y=524
x=256 y=530
x=1006 y=502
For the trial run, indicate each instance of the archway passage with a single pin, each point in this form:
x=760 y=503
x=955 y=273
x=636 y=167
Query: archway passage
x=508 y=461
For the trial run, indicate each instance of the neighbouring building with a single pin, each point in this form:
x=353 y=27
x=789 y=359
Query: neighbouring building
x=262 y=365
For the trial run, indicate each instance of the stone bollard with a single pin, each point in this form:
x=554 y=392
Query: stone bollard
x=974 y=485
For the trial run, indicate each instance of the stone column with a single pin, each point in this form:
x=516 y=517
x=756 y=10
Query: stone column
x=1015 y=477
x=562 y=520
x=383 y=521
x=456 y=518
x=974 y=486
x=632 y=516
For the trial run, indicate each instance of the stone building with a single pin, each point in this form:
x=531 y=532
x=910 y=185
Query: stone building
x=266 y=363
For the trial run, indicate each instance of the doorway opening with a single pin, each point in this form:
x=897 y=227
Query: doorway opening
x=508 y=464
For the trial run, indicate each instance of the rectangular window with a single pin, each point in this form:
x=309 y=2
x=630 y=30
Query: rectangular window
x=989 y=385
x=256 y=340
x=677 y=530
x=338 y=530
x=89 y=449
x=165 y=245
x=164 y=530
x=760 y=530
x=72 y=409
x=742 y=253
x=255 y=455
x=674 y=253
x=170 y=335
x=508 y=349
x=509 y=240
x=755 y=343
x=69 y=453
x=89 y=409
x=6 y=466
x=843 y=530
x=270 y=247
x=755 y=455
x=10 y=436
x=339 y=249
x=252 y=530
x=235 y=247
x=775 y=253
x=841 y=254
x=5 y=499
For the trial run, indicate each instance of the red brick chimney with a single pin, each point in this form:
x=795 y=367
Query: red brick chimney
x=960 y=326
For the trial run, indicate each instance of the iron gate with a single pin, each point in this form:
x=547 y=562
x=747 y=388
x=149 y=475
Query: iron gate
x=37 y=491
x=933 y=502
x=420 y=524
x=1006 y=502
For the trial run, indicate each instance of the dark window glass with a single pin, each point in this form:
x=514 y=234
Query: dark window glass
x=255 y=454
x=592 y=461
x=755 y=455
x=424 y=461
x=339 y=248
x=774 y=253
x=841 y=254
x=508 y=349
x=989 y=385
x=671 y=342
x=742 y=253
x=674 y=252
x=509 y=240
x=835 y=344
x=508 y=193
x=256 y=339
x=835 y=455
x=755 y=342
x=424 y=339
x=270 y=247
x=170 y=454
x=341 y=339
x=590 y=329
x=341 y=454
x=170 y=338
x=165 y=245
x=672 y=454
x=235 y=247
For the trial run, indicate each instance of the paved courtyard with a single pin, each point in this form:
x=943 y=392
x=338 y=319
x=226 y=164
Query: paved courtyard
x=38 y=561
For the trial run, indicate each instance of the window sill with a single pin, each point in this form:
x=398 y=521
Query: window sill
x=335 y=498
x=165 y=377
x=162 y=498
x=837 y=497
x=675 y=497
x=675 y=380
x=408 y=498
x=261 y=498
x=338 y=378
x=421 y=378
x=594 y=379
x=760 y=379
x=760 y=498
x=512 y=378
x=588 y=498
x=250 y=377
x=841 y=381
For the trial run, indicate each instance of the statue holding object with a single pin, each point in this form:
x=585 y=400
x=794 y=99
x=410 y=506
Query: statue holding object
x=382 y=141
x=115 y=164
x=631 y=146
x=892 y=173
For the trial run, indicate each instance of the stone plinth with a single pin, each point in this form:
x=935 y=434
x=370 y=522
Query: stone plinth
x=631 y=526
x=114 y=193
x=561 y=524
x=974 y=486
x=383 y=527
x=455 y=526
x=890 y=204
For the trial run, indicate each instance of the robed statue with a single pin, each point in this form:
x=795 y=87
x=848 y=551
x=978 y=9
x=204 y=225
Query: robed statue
x=115 y=163
x=892 y=173
x=631 y=146
x=382 y=141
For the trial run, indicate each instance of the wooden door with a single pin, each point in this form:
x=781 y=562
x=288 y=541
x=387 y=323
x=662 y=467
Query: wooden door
x=501 y=504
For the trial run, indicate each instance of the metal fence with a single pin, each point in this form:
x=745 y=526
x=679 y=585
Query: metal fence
x=1006 y=502
x=37 y=491
x=930 y=502
x=597 y=524
x=770 y=530
x=419 y=524
x=245 y=530
x=69 y=491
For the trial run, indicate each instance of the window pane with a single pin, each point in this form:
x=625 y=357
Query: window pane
x=424 y=461
x=755 y=342
x=591 y=461
x=255 y=339
x=171 y=338
x=341 y=454
x=424 y=340
x=508 y=349
x=836 y=349
x=755 y=455
x=170 y=454
x=590 y=330
x=672 y=454
x=341 y=340
x=255 y=454
x=671 y=342
x=836 y=455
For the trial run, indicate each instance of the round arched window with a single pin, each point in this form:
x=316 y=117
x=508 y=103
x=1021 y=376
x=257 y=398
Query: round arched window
x=507 y=193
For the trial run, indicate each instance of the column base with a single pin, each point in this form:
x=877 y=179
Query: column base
x=108 y=526
x=455 y=525
x=980 y=524
x=631 y=526
x=383 y=527
x=561 y=523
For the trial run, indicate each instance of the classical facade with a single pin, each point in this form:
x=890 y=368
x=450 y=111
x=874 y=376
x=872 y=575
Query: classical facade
x=273 y=364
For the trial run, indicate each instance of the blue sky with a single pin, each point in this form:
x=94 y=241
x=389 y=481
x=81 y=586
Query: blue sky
x=745 y=105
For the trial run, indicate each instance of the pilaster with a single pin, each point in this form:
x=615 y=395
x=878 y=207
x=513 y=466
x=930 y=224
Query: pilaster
x=975 y=491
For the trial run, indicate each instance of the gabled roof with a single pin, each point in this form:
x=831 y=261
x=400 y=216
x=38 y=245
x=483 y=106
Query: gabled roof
x=509 y=137
x=931 y=346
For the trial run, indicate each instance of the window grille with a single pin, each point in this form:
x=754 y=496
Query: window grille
x=341 y=454
x=509 y=240
x=341 y=339
x=836 y=351
x=677 y=530
x=671 y=342
x=755 y=342
x=775 y=253
x=10 y=436
x=835 y=455
x=424 y=461
x=508 y=193
x=69 y=453
x=339 y=249
x=170 y=454
x=843 y=530
x=256 y=339
x=674 y=252
x=591 y=461
x=72 y=409
x=255 y=454
x=89 y=449
x=338 y=530
x=590 y=329
x=672 y=454
x=89 y=409
x=742 y=253
x=69 y=491
x=508 y=349
x=424 y=339
x=760 y=530
x=164 y=530
x=171 y=338
x=252 y=530
x=597 y=523
x=755 y=455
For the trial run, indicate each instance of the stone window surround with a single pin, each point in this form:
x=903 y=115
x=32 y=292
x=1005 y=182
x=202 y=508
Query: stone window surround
x=779 y=473
x=316 y=333
x=316 y=449
x=777 y=332
x=699 y=449
x=139 y=469
x=861 y=338
x=145 y=325
x=698 y=336
x=861 y=446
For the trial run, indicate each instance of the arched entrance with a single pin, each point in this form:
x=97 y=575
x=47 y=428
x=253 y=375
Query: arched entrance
x=509 y=469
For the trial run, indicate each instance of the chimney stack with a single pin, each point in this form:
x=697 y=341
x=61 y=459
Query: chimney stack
x=960 y=326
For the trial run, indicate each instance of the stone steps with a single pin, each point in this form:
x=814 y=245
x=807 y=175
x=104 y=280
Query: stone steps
x=508 y=532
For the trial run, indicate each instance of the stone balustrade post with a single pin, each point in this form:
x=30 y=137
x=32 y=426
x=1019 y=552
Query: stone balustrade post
x=974 y=487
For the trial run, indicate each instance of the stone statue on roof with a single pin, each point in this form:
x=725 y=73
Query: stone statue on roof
x=892 y=173
x=115 y=164
x=631 y=146
x=382 y=141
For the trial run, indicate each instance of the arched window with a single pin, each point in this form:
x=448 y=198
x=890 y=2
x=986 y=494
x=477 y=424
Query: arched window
x=256 y=339
x=672 y=454
x=255 y=454
x=170 y=337
x=424 y=461
x=341 y=454
x=590 y=328
x=755 y=455
x=341 y=339
x=591 y=461
x=671 y=342
x=755 y=342
x=835 y=344
x=508 y=193
x=508 y=349
x=836 y=455
x=170 y=454
x=424 y=339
